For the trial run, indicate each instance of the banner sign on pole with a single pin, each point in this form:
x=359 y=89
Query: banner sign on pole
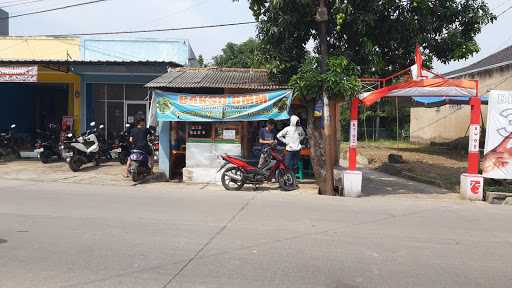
x=353 y=133
x=497 y=161
x=172 y=106
x=18 y=73
x=474 y=138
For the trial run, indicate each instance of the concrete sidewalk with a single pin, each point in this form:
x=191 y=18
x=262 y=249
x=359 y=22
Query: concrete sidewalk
x=375 y=184
x=379 y=184
x=107 y=174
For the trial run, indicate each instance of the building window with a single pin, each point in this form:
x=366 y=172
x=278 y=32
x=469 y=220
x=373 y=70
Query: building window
x=112 y=102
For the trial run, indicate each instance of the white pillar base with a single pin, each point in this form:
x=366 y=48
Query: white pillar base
x=352 y=182
x=472 y=186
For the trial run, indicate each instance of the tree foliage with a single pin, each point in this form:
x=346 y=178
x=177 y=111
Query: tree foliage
x=200 y=61
x=378 y=36
x=243 y=55
x=340 y=79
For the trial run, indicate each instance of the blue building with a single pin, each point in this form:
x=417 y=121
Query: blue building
x=114 y=93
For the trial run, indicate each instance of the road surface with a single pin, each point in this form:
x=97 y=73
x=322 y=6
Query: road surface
x=170 y=235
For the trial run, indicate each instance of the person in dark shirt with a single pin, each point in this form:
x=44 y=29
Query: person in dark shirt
x=267 y=136
x=139 y=141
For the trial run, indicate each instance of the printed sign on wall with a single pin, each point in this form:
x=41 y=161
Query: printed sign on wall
x=18 y=73
x=497 y=161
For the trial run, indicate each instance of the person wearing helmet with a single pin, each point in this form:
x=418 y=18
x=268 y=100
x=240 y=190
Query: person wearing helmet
x=292 y=136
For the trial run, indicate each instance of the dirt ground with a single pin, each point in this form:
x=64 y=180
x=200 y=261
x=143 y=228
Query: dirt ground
x=435 y=165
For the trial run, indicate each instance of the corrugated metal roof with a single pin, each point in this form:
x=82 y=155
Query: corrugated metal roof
x=215 y=77
x=137 y=49
x=498 y=59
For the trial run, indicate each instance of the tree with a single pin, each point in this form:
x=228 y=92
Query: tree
x=243 y=55
x=200 y=61
x=340 y=78
x=378 y=36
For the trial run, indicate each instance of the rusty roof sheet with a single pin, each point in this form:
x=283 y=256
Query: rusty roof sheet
x=215 y=77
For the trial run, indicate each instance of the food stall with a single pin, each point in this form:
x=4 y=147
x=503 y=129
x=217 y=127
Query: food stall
x=215 y=125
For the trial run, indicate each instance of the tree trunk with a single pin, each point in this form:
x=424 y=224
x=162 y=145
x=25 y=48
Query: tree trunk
x=316 y=143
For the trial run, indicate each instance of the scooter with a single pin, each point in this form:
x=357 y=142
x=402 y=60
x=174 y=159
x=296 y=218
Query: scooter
x=240 y=172
x=84 y=149
x=47 y=145
x=139 y=165
x=7 y=145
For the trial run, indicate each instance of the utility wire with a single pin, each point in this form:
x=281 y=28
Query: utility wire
x=150 y=30
x=8 y=2
x=504 y=11
x=501 y=4
x=22 y=3
x=53 y=9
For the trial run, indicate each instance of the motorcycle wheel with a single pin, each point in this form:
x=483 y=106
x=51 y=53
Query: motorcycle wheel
x=136 y=171
x=44 y=157
x=228 y=182
x=287 y=180
x=75 y=163
x=123 y=157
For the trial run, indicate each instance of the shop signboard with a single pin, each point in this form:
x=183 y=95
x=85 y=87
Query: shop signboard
x=497 y=160
x=18 y=73
x=172 y=106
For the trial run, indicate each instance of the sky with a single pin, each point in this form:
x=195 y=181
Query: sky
x=117 y=15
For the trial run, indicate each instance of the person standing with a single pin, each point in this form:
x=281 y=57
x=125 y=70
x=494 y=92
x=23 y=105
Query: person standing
x=267 y=136
x=292 y=136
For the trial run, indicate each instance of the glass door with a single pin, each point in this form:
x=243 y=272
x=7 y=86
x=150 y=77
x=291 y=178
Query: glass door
x=135 y=110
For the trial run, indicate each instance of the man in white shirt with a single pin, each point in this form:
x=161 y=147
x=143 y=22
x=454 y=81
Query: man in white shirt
x=292 y=136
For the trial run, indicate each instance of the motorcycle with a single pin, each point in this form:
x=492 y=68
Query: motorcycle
x=47 y=145
x=123 y=145
x=7 y=145
x=240 y=172
x=139 y=165
x=84 y=149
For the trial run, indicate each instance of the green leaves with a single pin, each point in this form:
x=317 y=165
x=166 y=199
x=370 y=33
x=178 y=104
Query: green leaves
x=340 y=79
x=243 y=55
x=378 y=36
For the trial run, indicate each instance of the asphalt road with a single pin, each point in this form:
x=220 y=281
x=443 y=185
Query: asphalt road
x=165 y=235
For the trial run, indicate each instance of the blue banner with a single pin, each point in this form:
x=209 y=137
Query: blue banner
x=171 y=106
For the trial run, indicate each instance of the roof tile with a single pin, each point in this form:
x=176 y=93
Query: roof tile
x=215 y=77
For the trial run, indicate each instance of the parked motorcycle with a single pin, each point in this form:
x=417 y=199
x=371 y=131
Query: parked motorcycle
x=123 y=145
x=47 y=145
x=84 y=149
x=240 y=172
x=139 y=165
x=7 y=145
